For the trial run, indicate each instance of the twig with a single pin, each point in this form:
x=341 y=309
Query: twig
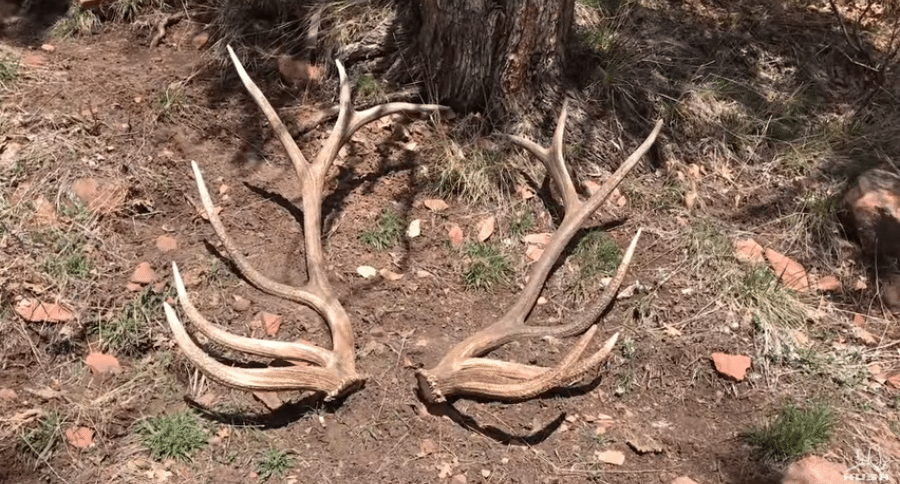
x=161 y=27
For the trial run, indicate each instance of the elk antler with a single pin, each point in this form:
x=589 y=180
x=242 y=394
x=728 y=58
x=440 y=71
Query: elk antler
x=463 y=370
x=332 y=372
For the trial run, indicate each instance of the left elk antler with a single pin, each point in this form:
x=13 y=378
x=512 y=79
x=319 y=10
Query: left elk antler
x=464 y=370
x=331 y=372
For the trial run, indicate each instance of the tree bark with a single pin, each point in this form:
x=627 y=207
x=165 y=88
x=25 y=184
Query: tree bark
x=495 y=56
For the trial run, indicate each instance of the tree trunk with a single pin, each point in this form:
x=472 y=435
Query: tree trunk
x=496 y=56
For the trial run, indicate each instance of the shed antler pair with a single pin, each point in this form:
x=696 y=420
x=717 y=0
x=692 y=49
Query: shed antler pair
x=463 y=371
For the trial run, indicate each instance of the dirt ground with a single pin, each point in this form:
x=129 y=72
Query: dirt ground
x=108 y=107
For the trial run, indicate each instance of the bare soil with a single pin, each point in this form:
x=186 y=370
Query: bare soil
x=108 y=107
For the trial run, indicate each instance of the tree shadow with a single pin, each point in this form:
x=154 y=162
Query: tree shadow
x=29 y=23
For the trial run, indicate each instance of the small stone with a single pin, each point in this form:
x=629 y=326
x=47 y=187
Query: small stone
x=613 y=457
x=862 y=335
x=435 y=204
x=684 y=480
x=270 y=322
x=38 y=312
x=732 y=366
x=102 y=364
x=200 y=40
x=791 y=273
x=165 y=243
x=10 y=155
x=485 y=473
x=132 y=287
x=240 y=303
x=749 y=250
x=295 y=71
x=143 y=274
x=459 y=479
x=80 y=437
x=8 y=395
x=48 y=48
x=455 y=235
x=814 y=470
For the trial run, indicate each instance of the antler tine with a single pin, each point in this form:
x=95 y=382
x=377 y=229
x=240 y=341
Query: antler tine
x=350 y=121
x=552 y=158
x=260 y=347
x=463 y=370
x=237 y=256
x=328 y=381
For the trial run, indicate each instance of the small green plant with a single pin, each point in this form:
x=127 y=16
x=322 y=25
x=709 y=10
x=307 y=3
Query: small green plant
x=9 y=70
x=367 y=87
x=176 y=436
x=170 y=101
x=40 y=442
x=68 y=256
x=488 y=267
x=521 y=223
x=274 y=463
x=794 y=431
x=129 y=332
x=78 y=21
x=596 y=254
x=386 y=233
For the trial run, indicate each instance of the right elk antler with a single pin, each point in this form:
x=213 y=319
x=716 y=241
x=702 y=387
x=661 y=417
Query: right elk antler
x=463 y=371
x=332 y=372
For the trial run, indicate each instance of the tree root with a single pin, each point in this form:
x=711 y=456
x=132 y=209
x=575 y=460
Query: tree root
x=167 y=21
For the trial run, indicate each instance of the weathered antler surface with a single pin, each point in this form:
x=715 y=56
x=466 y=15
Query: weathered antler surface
x=464 y=370
x=332 y=372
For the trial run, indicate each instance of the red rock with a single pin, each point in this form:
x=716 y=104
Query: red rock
x=39 y=312
x=486 y=228
x=791 y=273
x=534 y=253
x=200 y=40
x=732 y=366
x=132 y=287
x=873 y=213
x=271 y=400
x=8 y=394
x=270 y=322
x=455 y=234
x=102 y=364
x=143 y=274
x=828 y=284
x=295 y=71
x=748 y=250
x=48 y=48
x=538 y=239
x=684 y=480
x=613 y=457
x=859 y=320
x=814 y=470
x=80 y=437
x=893 y=381
x=435 y=204
x=165 y=243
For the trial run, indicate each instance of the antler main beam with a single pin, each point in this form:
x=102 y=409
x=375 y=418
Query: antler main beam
x=465 y=371
x=331 y=372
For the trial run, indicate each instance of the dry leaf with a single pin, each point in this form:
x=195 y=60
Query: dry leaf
x=435 y=204
x=166 y=243
x=749 y=250
x=591 y=186
x=390 y=275
x=791 y=273
x=414 y=229
x=366 y=271
x=486 y=228
x=102 y=364
x=205 y=216
x=80 y=437
x=732 y=366
x=456 y=235
x=38 y=312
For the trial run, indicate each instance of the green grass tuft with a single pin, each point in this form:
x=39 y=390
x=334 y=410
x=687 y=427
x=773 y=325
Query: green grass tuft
x=521 y=223
x=274 y=463
x=475 y=176
x=78 y=21
x=793 y=433
x=38 y=443
x=772 y=303
x=129 y=333
x=489 y=267
x=9 y=70
x=596 y=254
x=177 y=435
x=386 y=233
